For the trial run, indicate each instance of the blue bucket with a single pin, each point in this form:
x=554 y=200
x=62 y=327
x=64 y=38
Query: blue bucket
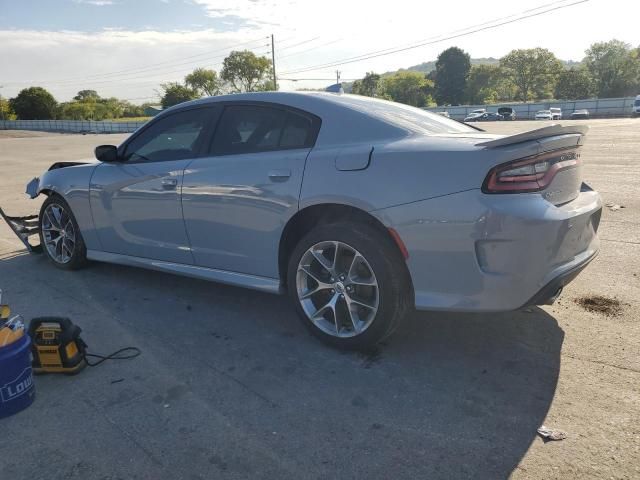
x=17 y=391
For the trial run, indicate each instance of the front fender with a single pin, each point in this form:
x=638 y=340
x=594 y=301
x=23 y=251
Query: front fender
x=71 y=181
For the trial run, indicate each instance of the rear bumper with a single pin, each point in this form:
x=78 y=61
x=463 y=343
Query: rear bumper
x=475 y=252
x=550 y=292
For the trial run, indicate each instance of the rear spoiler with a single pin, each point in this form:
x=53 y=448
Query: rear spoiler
x=545 y=132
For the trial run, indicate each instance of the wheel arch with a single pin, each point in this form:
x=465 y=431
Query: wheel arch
x=327 y=213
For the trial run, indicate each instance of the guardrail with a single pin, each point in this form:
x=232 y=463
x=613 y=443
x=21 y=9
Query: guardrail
x=597 y=107
x=71 y=126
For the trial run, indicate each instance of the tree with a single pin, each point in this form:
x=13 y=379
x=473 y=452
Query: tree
x=614 y=68
x=87 y=95
x=574 y=84
x=452 y=70
x=533 y=71
x=34 y=103
x=412 y=88
x=5 y=110
x=245 y=71
x=175 y=93
x=204 y=81
x=481 y=84
x=368 y=86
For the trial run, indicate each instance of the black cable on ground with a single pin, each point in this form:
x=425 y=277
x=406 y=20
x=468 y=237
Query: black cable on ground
x=113 y=356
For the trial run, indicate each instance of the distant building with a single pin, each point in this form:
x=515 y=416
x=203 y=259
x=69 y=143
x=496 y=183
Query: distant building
x=152 y=110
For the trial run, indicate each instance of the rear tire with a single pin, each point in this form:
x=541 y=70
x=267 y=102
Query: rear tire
x=60 y=235
x=359 y=299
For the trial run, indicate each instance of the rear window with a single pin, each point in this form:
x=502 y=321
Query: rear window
x=407 y=117
x=637 y=102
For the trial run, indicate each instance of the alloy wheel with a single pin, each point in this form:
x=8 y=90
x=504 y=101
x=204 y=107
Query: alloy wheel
x=337 y=289
x=59 y=233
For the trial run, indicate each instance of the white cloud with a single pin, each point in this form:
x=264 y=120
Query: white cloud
x=97 y=3
x=344 y=29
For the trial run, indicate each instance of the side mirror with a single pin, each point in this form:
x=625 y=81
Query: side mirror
x=107 y=153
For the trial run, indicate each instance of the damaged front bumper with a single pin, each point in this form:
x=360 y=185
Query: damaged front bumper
x=24 y=227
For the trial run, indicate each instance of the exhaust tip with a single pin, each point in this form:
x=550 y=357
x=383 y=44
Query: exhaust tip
x=551 y=300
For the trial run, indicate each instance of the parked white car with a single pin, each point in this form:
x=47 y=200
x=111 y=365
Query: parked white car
x=635 y=112
x=556 y=113
x=544 y=115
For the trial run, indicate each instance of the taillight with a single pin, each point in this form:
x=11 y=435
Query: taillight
x=530 y=174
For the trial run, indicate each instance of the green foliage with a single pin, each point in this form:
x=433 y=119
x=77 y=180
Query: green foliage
x=615 y=68
x=480 y=84
x=34 y=103
x=6 y=113
x=412 y=88
x=452 y=70
x=204 y=81
x=574 y=84
x=246 y=72
x=87 y=95
x=533 y=71
x=175 y=93
x=368 y=86
x=88 y=105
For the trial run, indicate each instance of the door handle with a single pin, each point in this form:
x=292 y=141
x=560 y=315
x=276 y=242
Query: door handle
x=279 y=175
x=169 y=183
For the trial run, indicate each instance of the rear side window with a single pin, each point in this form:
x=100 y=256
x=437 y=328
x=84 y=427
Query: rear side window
x=175 y=137
x=250 y=129
x=298 y=132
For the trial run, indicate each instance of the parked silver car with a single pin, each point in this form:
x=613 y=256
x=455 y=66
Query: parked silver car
x=360 y=208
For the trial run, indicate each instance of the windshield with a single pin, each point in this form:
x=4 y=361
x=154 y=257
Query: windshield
x=405 y=116
x=637 y=102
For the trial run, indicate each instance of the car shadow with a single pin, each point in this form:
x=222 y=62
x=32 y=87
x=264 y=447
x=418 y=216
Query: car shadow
x=448 y=396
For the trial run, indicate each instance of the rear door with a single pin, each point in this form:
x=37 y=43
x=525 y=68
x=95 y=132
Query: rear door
x=237 y=199
x=136 y=202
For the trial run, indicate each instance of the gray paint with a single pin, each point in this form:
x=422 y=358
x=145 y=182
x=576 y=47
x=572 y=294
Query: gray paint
x=223 y=222
x=236 y=206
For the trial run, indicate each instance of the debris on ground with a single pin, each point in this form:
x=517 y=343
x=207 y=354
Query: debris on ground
x=549 y=434
x=610 y=307
x=613 y=206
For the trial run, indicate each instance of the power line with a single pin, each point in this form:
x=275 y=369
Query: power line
x=382 y=53
x=310 y=49
x=136 y=75
x=299 y=43
x=152 y=66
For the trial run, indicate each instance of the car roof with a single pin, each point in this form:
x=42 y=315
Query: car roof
x=349 y=118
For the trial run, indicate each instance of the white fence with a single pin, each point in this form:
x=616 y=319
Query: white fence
x=603 y=107
x=70 y=126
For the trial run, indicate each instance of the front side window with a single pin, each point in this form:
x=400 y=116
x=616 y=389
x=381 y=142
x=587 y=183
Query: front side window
x=250 y=129
x=175 y=137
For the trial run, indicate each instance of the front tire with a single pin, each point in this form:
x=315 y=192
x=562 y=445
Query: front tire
x=349 y=284
x=60 y=235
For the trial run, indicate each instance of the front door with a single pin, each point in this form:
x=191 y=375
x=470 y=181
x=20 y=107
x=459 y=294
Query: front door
x=136 y=202
x=237 y=200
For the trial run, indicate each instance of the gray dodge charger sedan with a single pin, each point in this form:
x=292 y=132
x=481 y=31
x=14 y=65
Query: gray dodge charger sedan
x=360 y=209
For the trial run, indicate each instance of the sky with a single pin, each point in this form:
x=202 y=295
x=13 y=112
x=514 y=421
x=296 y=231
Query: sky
x=127 y=48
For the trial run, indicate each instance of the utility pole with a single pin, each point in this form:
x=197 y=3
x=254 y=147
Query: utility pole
x=1 y=107
x=273 y=64
x=337 y=76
